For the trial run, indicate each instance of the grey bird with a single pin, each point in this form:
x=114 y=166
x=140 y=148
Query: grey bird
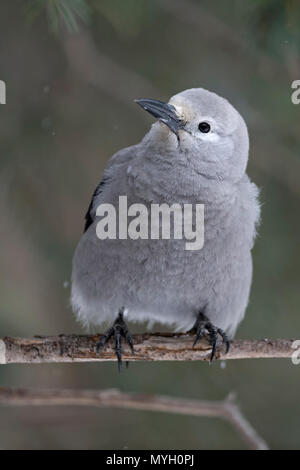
x=196 y=152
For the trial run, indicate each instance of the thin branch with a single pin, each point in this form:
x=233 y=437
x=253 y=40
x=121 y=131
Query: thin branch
x=115 y=399
x=148 y=347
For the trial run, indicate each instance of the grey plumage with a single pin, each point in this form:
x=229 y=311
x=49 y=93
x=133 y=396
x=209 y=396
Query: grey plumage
x=158 y=280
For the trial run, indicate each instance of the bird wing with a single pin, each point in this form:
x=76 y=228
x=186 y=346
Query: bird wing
x=90 y=214
x=120 y=158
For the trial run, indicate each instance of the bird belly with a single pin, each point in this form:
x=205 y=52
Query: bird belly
x=157 y=281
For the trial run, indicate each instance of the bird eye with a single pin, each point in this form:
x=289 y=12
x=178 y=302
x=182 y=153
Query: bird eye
x=204 y=127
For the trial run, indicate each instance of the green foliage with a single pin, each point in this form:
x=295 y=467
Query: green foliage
x=66 y=13
x=273 y=23
x=126 y=16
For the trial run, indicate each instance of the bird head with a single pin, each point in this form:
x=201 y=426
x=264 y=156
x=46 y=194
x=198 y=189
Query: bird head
x=202 y=129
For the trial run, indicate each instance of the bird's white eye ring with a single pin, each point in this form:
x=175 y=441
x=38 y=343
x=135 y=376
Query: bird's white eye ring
x=204 y=127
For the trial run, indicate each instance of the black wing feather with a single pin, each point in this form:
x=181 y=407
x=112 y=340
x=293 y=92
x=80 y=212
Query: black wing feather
x=89 y=218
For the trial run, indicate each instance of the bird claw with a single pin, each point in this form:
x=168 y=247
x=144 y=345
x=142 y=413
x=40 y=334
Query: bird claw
x=203 y=324
x=118 y=330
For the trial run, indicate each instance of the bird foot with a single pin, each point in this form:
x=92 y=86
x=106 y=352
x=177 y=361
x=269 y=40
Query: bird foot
x=204 y=326
x=118 y=330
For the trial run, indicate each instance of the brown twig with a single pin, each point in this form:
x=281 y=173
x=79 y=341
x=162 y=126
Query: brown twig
x=148 y=347
x=115 y=399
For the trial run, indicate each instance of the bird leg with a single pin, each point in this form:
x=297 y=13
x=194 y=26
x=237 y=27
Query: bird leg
x=118 y=330
x=204 y=326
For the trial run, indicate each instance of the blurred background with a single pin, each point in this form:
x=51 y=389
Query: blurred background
x=72 y=70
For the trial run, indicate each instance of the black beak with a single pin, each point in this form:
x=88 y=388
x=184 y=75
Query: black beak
x=165 y=112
